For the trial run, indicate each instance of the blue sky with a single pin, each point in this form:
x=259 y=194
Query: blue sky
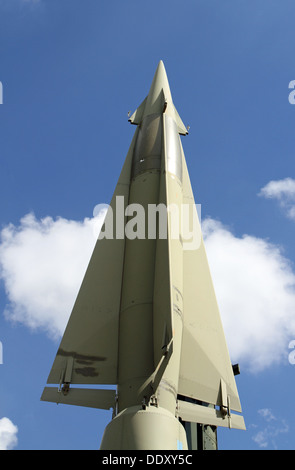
x=70 y=72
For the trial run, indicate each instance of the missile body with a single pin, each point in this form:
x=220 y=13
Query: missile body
x=146 y=317
x=146 y=277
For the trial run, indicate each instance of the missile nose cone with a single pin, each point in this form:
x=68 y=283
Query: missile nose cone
x=159 y=95
x=158 y=101
x=160 y=80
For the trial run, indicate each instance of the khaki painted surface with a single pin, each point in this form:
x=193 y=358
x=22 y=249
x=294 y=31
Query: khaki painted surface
x=90 y=341
x=150 y=429
x=146 y=317
x=204 y=358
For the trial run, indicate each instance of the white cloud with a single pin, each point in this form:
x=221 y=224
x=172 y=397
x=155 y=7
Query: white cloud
x=255 y=288
x=266 y=413
x=261 y=438
x=8 y=434
x=42 y=263
x=272 y=428
x=284 y=192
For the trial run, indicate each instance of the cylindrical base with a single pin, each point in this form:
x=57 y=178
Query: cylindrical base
x=151 y=428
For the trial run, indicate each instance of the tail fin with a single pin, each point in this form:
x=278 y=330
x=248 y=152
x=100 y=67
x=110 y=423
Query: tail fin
x=89 y=348
x=205 y=360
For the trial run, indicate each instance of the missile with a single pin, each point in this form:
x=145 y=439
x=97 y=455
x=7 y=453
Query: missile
x=146 y=318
